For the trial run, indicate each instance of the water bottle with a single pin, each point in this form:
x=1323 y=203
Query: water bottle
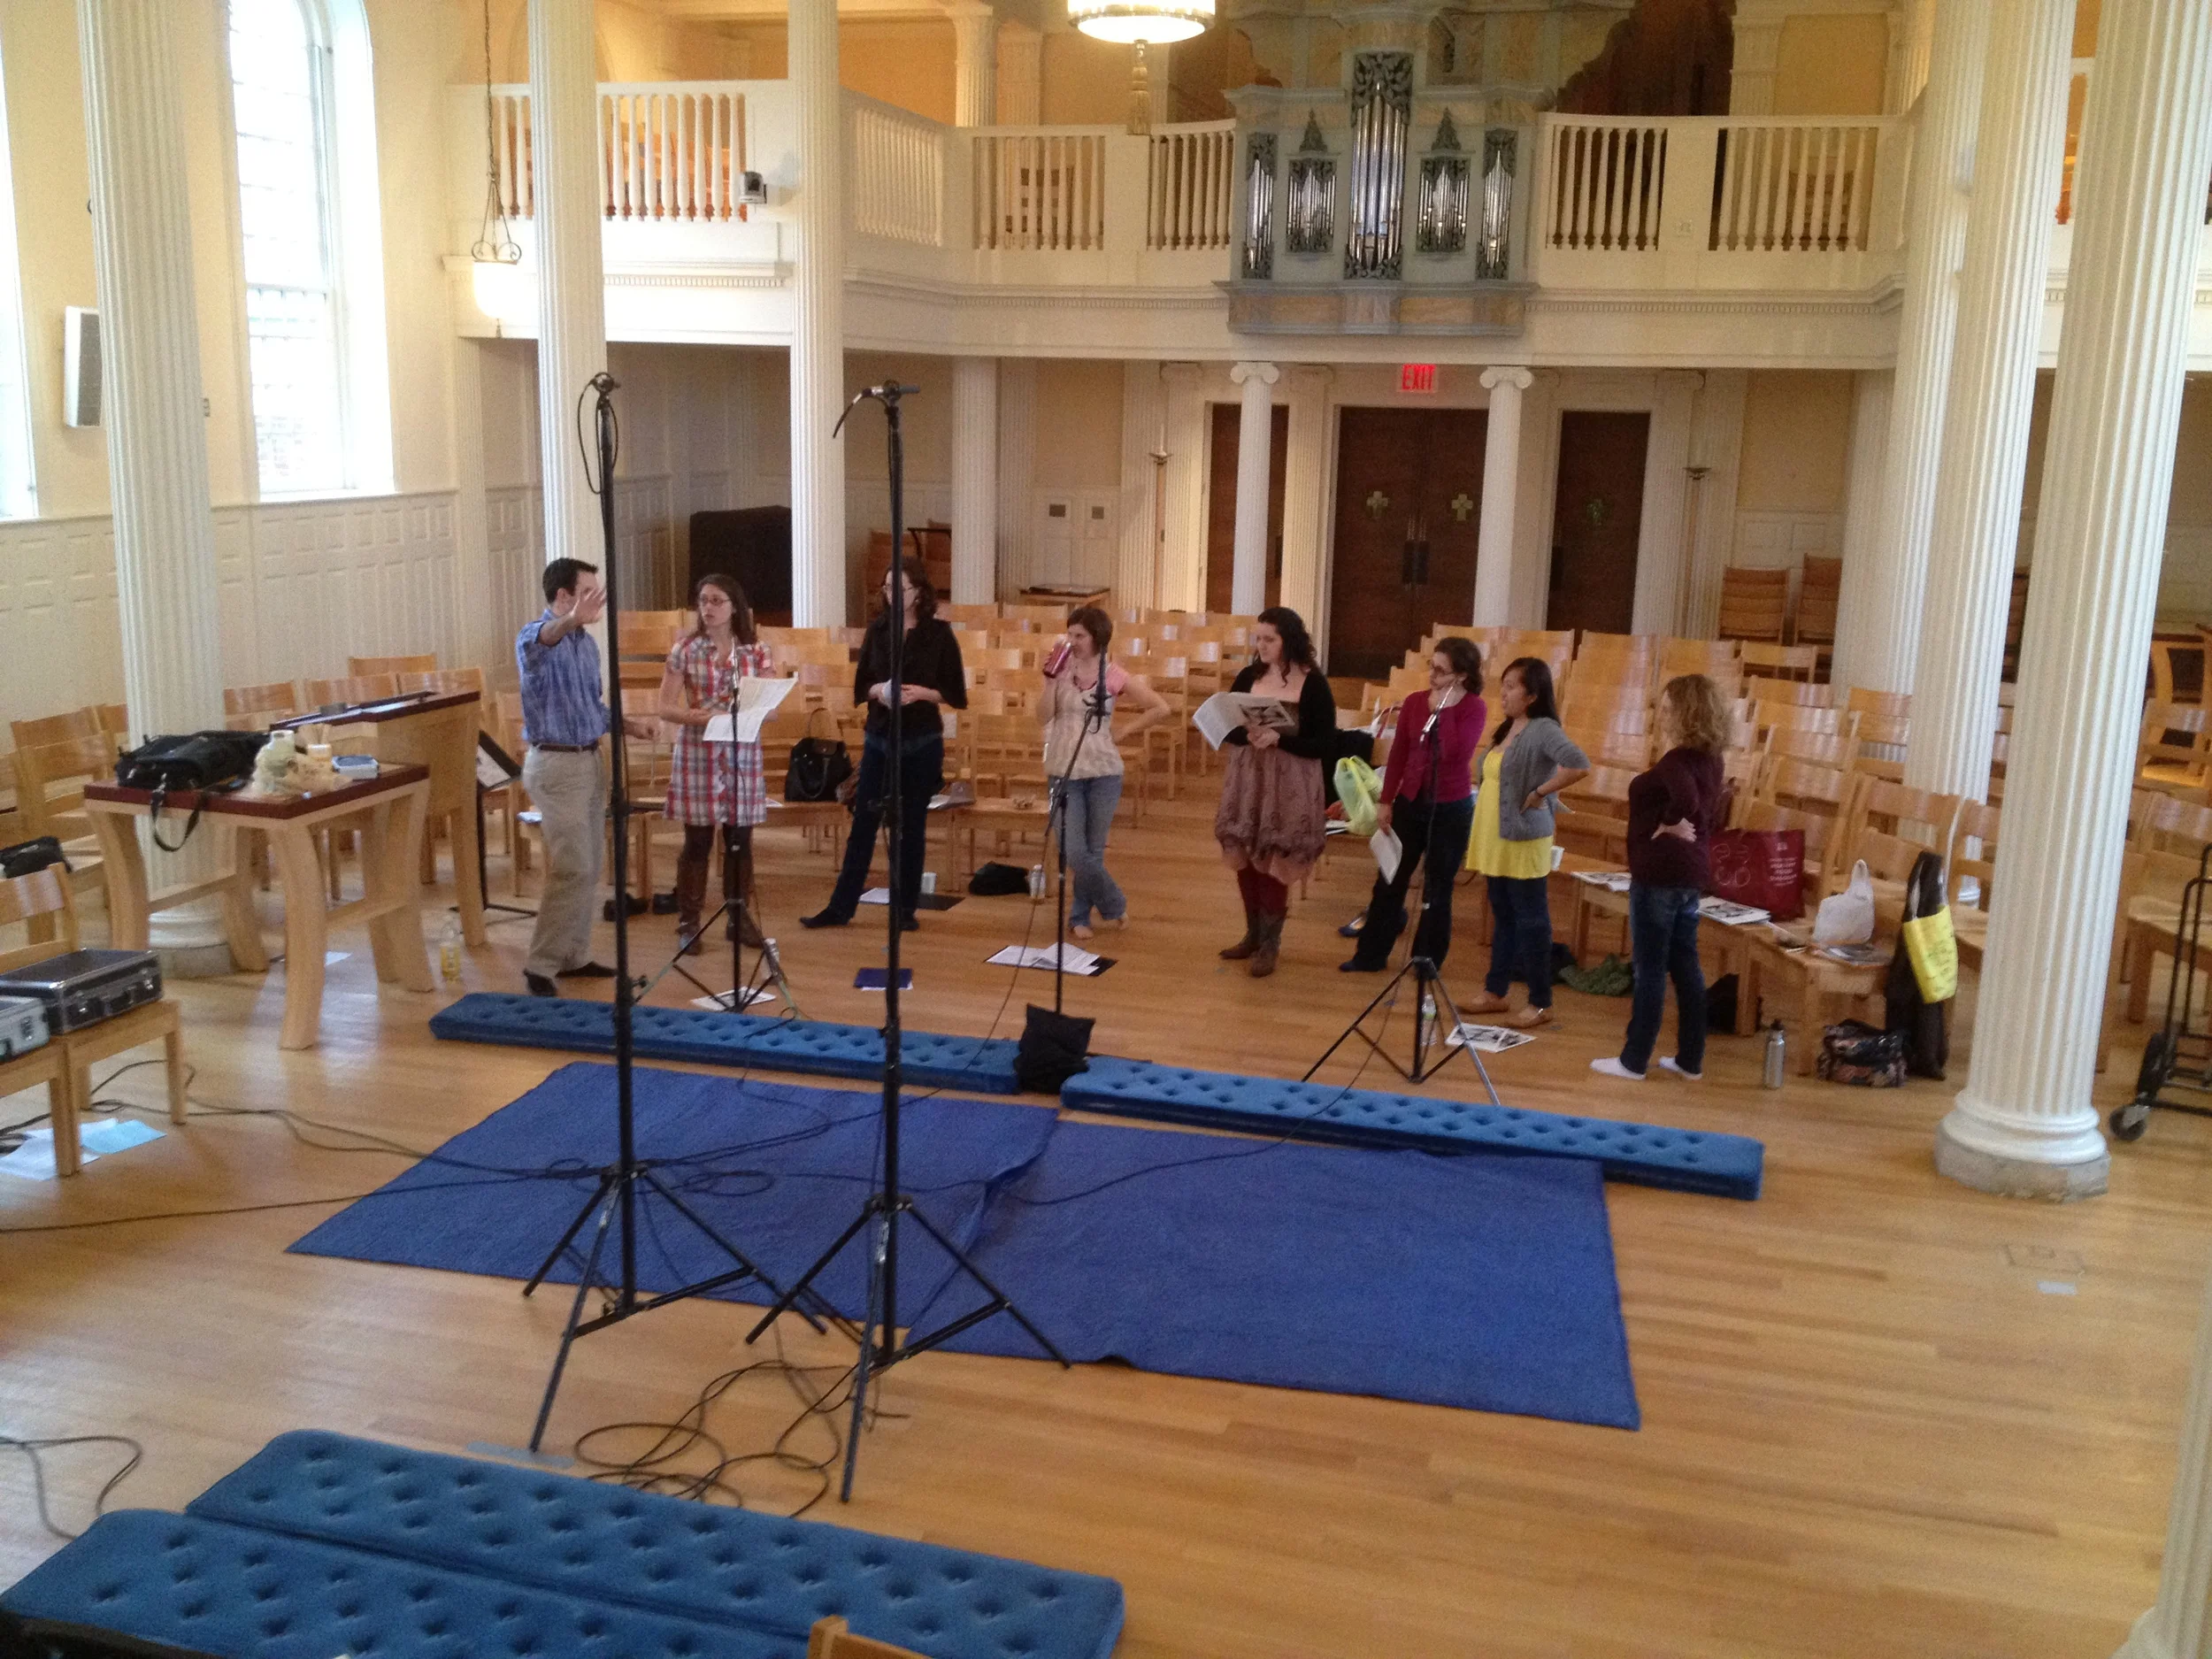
x=450 y=950
x=1036 y=881
x=1777 y=1057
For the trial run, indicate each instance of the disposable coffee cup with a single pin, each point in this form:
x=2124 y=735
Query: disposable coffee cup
x=1557 y=854
x=929 y=881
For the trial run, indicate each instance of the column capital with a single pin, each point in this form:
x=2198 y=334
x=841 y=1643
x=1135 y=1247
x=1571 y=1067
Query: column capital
x=1520 y=380
x=1311 y=374
x=968 y=10
x=1180 y=377
x=1265 y=374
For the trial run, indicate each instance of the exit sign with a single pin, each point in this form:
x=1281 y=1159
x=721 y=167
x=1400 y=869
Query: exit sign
x=1417 y=377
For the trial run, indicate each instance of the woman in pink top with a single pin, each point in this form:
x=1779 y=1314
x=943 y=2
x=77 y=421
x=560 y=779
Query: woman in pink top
x=1084 y=762
x=1428 y=803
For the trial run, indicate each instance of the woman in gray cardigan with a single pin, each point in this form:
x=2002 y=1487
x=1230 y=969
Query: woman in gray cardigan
x=1529 y=762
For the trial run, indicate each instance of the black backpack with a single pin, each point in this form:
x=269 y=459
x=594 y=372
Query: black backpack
x=1908 y=1015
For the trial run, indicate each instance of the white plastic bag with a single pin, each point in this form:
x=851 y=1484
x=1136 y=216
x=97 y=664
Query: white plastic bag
x=1847 y=918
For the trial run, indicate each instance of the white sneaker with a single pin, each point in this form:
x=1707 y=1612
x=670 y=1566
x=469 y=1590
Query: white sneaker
x=1694 y=1076
x=1611 y=1067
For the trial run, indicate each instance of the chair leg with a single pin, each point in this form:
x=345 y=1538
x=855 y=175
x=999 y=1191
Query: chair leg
x=65 y=1096
x=172 y=1059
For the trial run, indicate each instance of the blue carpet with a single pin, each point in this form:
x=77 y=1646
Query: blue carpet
x=1470 y=1281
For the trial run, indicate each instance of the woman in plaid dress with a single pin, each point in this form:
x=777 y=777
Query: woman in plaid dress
x=711 y=784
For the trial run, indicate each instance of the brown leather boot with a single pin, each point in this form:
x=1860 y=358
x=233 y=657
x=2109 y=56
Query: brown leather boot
x=1270 y=940
x=691 y=892
x=1251 y=942
x=738 y=893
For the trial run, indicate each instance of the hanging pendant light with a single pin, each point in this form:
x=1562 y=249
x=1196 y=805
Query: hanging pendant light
x=497 y=276
x=1138 y=24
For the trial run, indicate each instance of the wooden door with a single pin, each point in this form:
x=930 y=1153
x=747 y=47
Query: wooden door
x=1409 y=508
x=1221 y=505
x=1597 y=519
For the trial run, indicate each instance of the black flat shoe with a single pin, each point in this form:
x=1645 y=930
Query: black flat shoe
x=825 y=918
x=909 y=924
x=586 y=970
x=540 y=986
x=1357 y=966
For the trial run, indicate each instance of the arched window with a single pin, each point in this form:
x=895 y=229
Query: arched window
x=311 y=245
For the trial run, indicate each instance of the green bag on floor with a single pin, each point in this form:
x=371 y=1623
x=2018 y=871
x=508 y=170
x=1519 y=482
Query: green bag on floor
x=1612 y=977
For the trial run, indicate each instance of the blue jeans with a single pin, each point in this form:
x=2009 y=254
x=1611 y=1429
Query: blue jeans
x=921 y=774
x=1662 y=945
x=1520 y=937
x=1087 y=805
x=1432 y=834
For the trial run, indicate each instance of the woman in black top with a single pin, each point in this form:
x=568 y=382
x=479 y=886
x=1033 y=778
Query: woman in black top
x=1271 y=823
x=933 y=677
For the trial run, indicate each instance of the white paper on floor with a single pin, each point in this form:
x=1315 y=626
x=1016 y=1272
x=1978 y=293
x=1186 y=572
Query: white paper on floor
x=34 y=1160
x=721 y=1003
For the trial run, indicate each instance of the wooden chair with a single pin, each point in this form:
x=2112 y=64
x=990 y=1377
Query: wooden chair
x=2016 y=624
x=50 y=782
x=1754 y=603
x=1973 y=858
x=2000 y=761
x=1802 y=693
x=1819 y=587
x=2171 y=767
x=361 y=667
x=1825 y=748
x=969 y=616
x=255 y=708
x=1719 y=660
x=43 y=894
x=328 y=694
x=1892 y=705
x=2178 y=671
x=1879 y=813
x=1817 y=791
x=831 y=1638
x=1007 y=752
x=1798 y=716
x=1596 y=821
x=2167 y=840
x=1783 y=662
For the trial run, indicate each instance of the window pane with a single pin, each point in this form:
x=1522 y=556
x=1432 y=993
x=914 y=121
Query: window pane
x=284 y=213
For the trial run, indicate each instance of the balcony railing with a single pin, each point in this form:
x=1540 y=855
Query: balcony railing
x=895 y=165
x=1040 y=191
x=667 y=151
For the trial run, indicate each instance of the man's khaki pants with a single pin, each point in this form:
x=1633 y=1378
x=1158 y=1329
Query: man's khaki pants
x=570 y=792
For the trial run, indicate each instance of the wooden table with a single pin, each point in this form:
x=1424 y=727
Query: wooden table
x=438 y=733
x=387 y=809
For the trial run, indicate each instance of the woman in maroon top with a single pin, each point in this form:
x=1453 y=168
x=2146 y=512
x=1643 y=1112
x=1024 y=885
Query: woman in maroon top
x=1428 y=803
x=1672 y=812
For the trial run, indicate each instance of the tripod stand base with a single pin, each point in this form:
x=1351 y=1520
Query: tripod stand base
x=1429 y=1030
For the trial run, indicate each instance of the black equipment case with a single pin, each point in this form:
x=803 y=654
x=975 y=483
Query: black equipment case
x=86 y=986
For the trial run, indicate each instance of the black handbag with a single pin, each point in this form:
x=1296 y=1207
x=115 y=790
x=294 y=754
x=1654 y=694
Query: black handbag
x=196 y=761
x=26 y=857
x=819 y=765
x=1916 y=1022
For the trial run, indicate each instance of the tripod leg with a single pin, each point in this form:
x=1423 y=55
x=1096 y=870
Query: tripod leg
x=790 y=1298
x=746 y=1267
x=599 y=1194
x=967 y=1265
x=1353 y=1030
x=575 y=1316
x=879 y=1258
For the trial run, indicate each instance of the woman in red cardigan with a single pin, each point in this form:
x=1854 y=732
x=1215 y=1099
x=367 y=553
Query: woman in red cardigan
x=1428 y=803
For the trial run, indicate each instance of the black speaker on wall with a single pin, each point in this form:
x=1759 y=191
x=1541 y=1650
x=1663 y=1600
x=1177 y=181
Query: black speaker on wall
x=754 y=545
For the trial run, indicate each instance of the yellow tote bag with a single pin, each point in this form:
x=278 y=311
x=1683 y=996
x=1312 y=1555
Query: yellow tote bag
x=1934 y=950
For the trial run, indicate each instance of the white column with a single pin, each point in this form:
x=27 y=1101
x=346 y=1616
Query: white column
x=571 y=282
x=157 y=437
x=817 y=322
x=1143 y=483
x=1020 y=72
x=974 y=63
x=2175 y=1626
x=1758 y=32
x=1306 y=496
x=1716 y=464
x=1661 y=557
x=2023 y=1122
x=1017 y=472
x=1256 y=432
x=1878 y=611
x=1500 y=490
x=974 y=480
x=1866 y=477
x=1985 y=458
x=1182 y=566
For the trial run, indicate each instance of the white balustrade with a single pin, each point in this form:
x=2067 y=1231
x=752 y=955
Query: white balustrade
x=895 y=171
x=1795 y=186
x=1189 y=175
x=667 y=151
x=1605 y=182
x=1040 y=190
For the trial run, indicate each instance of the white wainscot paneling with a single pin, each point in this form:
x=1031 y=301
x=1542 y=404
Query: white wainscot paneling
x=2185 y=581
x=1783 y=541
x=61 y=641
x=1077 y=537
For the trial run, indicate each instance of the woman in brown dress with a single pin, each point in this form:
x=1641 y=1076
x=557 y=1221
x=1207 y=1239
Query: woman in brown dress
x=1271 y=823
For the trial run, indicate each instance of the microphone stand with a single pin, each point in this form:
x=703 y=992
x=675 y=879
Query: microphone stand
x=1094 y=718
x=877 y=1332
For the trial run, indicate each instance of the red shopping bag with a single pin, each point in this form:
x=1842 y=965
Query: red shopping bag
x=1764 y=869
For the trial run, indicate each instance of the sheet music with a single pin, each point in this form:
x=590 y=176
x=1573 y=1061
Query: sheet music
x=757 y=700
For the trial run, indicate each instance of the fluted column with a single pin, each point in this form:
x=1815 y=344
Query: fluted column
x=1182 y=563
x=1306 y=494
x=2176 y=1625
x=1021 y=72
x=1878 y=611
x=1500 y=491
x=1256 y=433
x=974 y=480
x=1985 y=458
x=1018 y=471
x=974 y=63
x=1144 y=457
x=164 y=530
x=817 y=322
x=571 y=282
x=2023 y=1122
x=1873 y=398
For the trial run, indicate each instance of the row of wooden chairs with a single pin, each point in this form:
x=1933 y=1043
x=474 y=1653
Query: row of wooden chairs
x=1755 y=604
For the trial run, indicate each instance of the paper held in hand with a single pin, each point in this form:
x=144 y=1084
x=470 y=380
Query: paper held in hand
x=757 y=700
x=1387 y=850
x=1225 y=710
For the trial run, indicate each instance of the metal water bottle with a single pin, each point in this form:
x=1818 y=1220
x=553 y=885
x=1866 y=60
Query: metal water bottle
x=1777 y=1057
x=1036 y=881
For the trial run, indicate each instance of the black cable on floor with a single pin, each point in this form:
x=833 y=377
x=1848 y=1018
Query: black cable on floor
x=36 y=1450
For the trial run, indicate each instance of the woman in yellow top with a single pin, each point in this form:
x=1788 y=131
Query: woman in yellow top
x=1530 y=760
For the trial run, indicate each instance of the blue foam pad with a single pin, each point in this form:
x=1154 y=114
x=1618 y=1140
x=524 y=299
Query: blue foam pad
x=814 y=1047
x=694 y=1559
x=190 y=1583
x=1688 y=1160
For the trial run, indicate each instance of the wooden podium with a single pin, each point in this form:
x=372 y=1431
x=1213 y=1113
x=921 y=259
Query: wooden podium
x=439 y=734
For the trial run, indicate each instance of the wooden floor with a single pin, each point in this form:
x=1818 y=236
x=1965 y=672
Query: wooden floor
x=1883 y=1415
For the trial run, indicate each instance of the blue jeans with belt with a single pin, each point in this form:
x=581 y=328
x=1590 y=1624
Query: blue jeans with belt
x=1088 y=804
x=1662 y=946
x=921 y=774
